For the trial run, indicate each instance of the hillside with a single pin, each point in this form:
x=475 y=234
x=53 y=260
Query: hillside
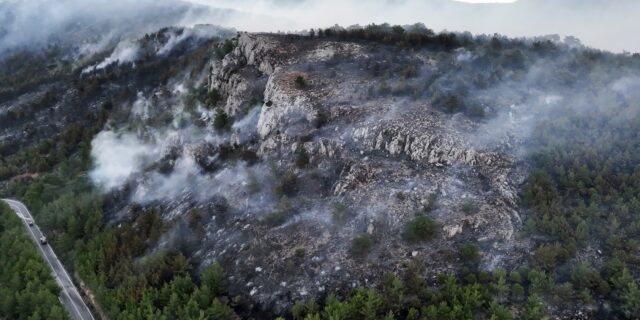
x=378 y=172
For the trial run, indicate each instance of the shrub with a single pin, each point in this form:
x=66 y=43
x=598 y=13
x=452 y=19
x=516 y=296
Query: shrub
x=469 y=253
x=221 y=121
x=533 y=308
x=563 y=292
x=420 y=228
x=539 y=281
x=484 y=277
x=432 y=202
x=302 y=157
x=214 y=277
x=224 y=49
x=471 y=278
x=287 y=183
x=499 y=312
x=300 y=82
x=300 y=252
x=515 y=277
x=298 y=311
x=585 y=276
x=340 y=213
x=200 y=95
x=452 y=103
x=469 y=207
x=320 y=119
x=361 y=245
x=283 y=212
x=213 y=97
x=249 y=156
x=277 y=218
x=549 y=256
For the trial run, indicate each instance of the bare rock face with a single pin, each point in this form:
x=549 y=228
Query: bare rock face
x=260 y=52
x=251 y=50
x=374 y=160
x=241 y=74
x=285 y=107
x=242 y=85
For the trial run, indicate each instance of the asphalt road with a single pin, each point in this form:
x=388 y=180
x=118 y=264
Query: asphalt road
x=69 y=294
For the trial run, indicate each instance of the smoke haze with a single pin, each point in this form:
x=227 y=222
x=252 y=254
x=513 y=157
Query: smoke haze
x=90 y=25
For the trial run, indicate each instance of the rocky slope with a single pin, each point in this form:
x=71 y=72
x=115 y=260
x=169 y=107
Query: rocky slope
x=378 y=158
x=307 y=165
x=330 y=140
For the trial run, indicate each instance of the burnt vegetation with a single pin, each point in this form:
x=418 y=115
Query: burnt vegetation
x=581 y=200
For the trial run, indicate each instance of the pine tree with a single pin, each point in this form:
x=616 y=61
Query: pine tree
x=215 y=279
x=533 y=308
x=630 y=298
x=221 y=311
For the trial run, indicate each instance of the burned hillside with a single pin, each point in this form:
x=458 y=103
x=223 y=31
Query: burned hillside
x=308 y=166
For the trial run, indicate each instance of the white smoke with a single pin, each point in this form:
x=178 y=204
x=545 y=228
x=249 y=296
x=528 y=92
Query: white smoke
x=141 y=107
x=84 y=23
x=626 y=85
x=117 y=157
x=195 y=33
x=187 y=178
x=129 y=50
x=125 y=52
x=158 y=186
x=121 y=155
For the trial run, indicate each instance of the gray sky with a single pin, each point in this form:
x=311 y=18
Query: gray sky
x=604 y=24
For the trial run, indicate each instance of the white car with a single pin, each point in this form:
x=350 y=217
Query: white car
x=43 y=240
x=30 y=222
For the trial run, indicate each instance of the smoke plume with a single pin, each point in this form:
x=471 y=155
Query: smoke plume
x=118 y=156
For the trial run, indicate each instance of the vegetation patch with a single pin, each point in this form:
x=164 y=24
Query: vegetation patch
x=302 y=157
x=361 y=245
x=222 y=121
x=420 y=228
x=300 y=82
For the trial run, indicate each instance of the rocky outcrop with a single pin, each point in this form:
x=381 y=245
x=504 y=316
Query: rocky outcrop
x=419 y=146
x=260 y=51
x=286 y=107
x=249 y=50
x=241 y=74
